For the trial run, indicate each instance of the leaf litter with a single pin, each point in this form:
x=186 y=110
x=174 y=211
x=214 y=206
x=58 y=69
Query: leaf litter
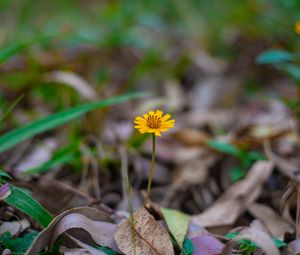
x=226 y=178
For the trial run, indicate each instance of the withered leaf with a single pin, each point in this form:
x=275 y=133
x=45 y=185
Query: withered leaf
x=150 y=237
x=236 y=199
x=274 y=222
x=93 y=221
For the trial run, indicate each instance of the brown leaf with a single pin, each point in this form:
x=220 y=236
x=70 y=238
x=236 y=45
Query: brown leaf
x=285 y=167
x=151 y=237
x=236 y=199
x=274 y=222
x=93 y=221
x=191 y=137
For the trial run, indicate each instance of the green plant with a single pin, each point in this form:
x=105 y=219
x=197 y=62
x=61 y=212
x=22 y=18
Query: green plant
x=245 y=158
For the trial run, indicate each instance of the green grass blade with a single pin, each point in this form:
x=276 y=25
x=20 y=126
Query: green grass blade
x=27 y=204
x=18 y=135
x=10 y=108
x=19 y=47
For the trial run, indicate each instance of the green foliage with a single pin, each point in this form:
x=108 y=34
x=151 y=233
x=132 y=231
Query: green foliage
x=106 y=250
x=18 y=135
x=4 y=177
x=10 y=108
x=27 y=204
x=246 y=158
x=188 y=247
x=275 y=57
x=248 y=246
x=18 y=245
x=138 y=139
x=223 y=147
x=177 y=223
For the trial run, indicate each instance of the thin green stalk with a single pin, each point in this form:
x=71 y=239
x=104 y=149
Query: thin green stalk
x=151 y=169
x=129 y=195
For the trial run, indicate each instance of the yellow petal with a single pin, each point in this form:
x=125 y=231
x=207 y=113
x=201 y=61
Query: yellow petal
x=157 y=133
x=139 y=118
x=151 y=113
x=139 y=122
x=166 y=117
x=159 y=113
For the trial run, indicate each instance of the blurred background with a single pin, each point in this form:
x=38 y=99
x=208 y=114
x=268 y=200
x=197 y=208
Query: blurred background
x=206 y=62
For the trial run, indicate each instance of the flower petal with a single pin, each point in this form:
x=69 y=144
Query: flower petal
x=166 y=117
x=151 y=113
x=159 y=113
x=157 y=133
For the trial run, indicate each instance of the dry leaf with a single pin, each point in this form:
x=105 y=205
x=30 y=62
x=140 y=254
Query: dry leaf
x=274 y=222
x=261 y=238
x=91 y=250
x=73 y=80
x=13 y=227
x=207 y=245
x=236 y=199
x=93 y=221
x=151 y=237
x=286 y=168
x=191 y=137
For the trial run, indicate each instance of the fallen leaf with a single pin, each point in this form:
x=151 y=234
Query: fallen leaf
x=177 y=223
x=191 y=137
x=261 y=238
x=38 y=156
x=13 y=227
x=93 y=221
x=207 y=245
x=151 y=237
x=91 y=250
x=284 y=166
x=274 y=222
x=236 y=199
x=227 y=250
x=73 y=80
x=294 y=246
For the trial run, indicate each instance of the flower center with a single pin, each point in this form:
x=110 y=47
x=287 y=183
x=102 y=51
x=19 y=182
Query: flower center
x=153 y=122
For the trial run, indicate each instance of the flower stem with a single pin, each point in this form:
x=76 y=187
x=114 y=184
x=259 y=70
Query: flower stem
x=151 y=169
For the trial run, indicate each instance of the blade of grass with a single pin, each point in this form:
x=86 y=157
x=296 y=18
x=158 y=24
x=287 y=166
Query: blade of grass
x=18 y=47
x=21 y=200
x=10 y=108
x=12 y=138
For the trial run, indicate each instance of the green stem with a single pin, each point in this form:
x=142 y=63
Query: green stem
x=151 y=169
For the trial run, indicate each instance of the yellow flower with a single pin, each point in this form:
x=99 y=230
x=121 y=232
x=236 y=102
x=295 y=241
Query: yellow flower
x=154 y=122
x=297 y=27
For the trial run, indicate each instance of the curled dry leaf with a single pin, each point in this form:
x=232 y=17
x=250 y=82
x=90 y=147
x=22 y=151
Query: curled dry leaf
x=236 y=199
x=274 y=222
x=151 y=238
x=261 y=238
x=93 y=221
